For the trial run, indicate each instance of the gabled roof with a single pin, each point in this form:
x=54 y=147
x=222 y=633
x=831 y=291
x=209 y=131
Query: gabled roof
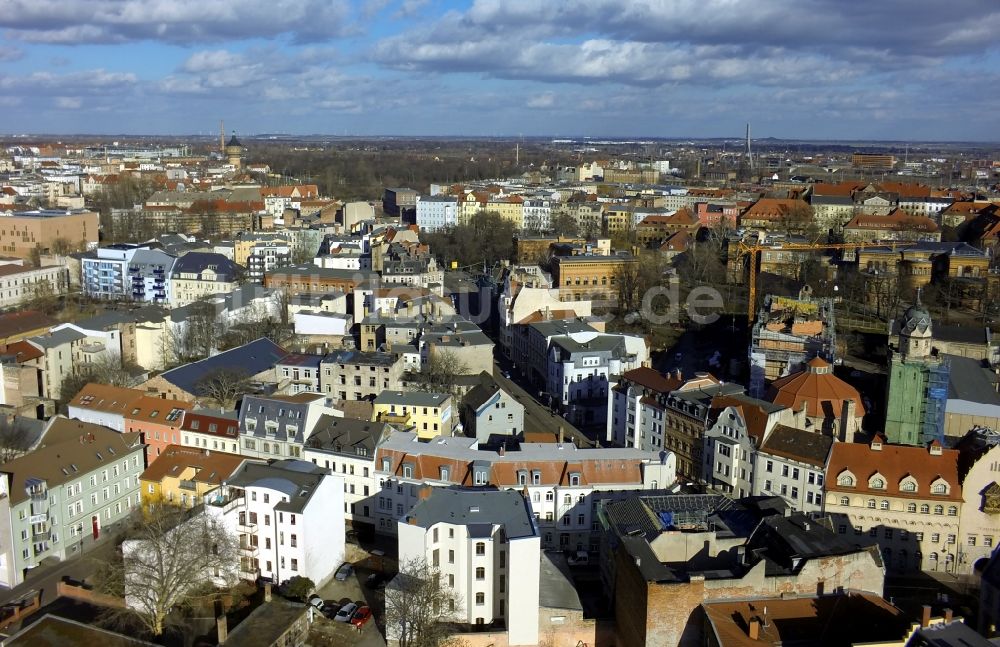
x=248 y=359
x=653 y=379
x=210 y=467
x=106 y=398
x=798 y=445
x=69 y=449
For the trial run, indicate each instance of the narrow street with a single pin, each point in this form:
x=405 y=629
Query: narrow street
x=537 y=417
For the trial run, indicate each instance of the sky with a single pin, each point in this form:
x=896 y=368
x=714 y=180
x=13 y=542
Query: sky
x=815 y=69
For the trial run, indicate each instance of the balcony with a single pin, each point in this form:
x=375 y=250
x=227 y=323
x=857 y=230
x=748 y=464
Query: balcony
x=188 y=485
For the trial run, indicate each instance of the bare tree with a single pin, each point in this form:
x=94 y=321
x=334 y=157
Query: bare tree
x=443 y=366
x=223 y=385
x=108 y=369
x=15 y=440
x=166 y=561
x=418 y=604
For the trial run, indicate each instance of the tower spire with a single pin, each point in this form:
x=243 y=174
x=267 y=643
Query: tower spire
x=222 y=136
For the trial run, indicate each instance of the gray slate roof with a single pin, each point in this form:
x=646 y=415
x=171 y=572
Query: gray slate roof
x=474 y=507
x=250 y=359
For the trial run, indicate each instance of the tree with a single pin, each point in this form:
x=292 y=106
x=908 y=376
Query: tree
x=418 y=604
x=443 y=366
x=41 y=296
x=165 y=562
x=223 y=385
x=298 y=588
x=202 y=333
x=108 y=369
x=15 y=439
x=563 y=224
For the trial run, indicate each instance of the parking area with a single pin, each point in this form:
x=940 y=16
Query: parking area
x=363 y=592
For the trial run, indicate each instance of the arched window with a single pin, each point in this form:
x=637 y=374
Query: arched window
x=911 y=507
x=878 y=483
x=480 y=573
x=939 y=509
x=845 y=501
x=908 y=486
x=952 y=511
x=846 y=480
x=933 y=557
x=925 y=509
x=871 y=503
x=939 y=488
x=884 y=505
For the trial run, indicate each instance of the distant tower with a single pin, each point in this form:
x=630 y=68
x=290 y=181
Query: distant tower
x=234 y=151
x=749 y=153
x=222 y=137
x=918 y=383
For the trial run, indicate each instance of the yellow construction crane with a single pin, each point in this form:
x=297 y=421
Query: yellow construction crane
x=754 y=249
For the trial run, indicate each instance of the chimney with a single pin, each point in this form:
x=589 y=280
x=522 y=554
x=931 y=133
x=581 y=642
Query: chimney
x=267 y=591
x=948 y=615
x=560 y=434
x=753 y=631
x=847 y=414
x=221 y=624
x=677 y=374
x=503 y=448
x=925 y=615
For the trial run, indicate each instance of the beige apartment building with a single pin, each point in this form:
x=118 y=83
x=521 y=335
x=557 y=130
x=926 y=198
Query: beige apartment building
x=23 y=231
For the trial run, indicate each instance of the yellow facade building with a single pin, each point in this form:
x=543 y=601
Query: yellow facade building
x=427 y=414
x=182 y=476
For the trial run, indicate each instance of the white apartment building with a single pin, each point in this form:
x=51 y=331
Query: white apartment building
x=537 y=215
x=486 y=546
x=19 y=284
x=282 y=514
x=277 y=426
x=563 y=483
x=105 y=274
x=437 y=212
x=346 y=447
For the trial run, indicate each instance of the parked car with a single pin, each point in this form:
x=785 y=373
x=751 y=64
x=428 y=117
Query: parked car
x=316 y=601
x=346 y=612
x=361 y=617
x=344 y=572
x=579 y=558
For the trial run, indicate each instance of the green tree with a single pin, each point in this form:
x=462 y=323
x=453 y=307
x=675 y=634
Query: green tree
x=298 y=588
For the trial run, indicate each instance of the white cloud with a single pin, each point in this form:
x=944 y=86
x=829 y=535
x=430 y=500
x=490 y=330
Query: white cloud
x=69 y=103
x=73 y=22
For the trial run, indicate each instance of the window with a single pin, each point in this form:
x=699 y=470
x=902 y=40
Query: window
x=845 y=481
x=480 y=573
x=911 y=507
x=480 y=600
x=908 y=486
x=939 y=509
x=845 y=501
x=871 y=503
x=952 y=511
x=925 y=509
x=935 y=538
x=884 y=505
x=939 y=488
x=951 y=539
x=480 y=548
x=878 y=483
x=769 y=467
x=451 y=557
x=295 y=564
x=971 y=540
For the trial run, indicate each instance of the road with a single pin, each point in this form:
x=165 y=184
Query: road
x=537 y=417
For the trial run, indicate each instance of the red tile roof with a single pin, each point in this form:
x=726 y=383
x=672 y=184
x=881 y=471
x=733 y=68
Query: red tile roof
x=894 y=463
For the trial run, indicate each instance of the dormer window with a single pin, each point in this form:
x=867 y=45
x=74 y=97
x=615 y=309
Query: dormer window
x=845 y=480
x=481 y=477
x=444 y=472
x=574 y=479
x=407 y=471
x=939 y=488
x=876 y=482
x=908 y=485
x=536 y=477
x=386 y=464
x=522 y=478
